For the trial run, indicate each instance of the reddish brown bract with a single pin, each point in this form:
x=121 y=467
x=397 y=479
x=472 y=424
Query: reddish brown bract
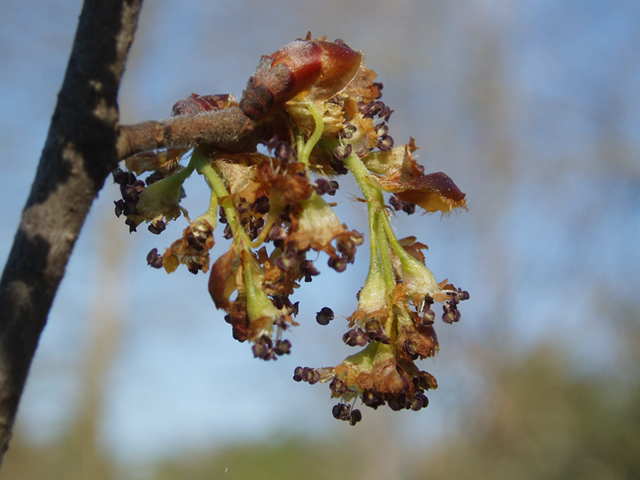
x=318 y=66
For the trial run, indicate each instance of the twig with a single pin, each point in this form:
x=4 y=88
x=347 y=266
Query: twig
x=227 y=129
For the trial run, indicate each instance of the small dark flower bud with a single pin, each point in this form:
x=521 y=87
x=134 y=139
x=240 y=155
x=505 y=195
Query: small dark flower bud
x=297 y=374
x=324 y=316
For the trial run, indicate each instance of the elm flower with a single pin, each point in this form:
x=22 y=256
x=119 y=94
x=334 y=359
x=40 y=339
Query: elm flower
x=317 y=112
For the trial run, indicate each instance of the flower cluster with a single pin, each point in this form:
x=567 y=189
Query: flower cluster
x=319 y=114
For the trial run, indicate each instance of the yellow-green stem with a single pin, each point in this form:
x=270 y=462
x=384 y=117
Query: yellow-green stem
x=218 y=188
x=305 y=152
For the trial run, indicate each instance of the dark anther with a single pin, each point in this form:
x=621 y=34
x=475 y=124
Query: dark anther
x=282 y=347
x=385 y=113
x=286 y=261
x=420 y=401
x=451 y=313
x=372 y=399
x=342 y=151
x=355 y=337
x=263 y=348
x=261 y=205
x=297 y=374
x=382 y=129
x=355 y=417
x=153 y=178
x=338 y=264
x=310 y=375
x=123 y=178
x=284 y=152
x=341 y=411
x=132 y=225
x=385 y=143
x=380 y=86
x=410 y=349
x=363 y=152
x=223 y=215
x=120 y=206
x=324 y=316
x=307 y=270
x=428 y=317
x=326 y=186
x=157 y=228
x=398 y=204
x=227 y=233
x=334 y=187
x=338 y=386
x=131 y=193
x=154 y=259
x=397 y=403
x=348 y=130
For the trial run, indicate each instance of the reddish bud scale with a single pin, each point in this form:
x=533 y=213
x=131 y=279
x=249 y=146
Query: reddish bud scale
x=317 y=68
x=194 y=104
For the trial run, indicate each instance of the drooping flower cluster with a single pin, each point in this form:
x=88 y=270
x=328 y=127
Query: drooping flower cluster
x=318 y=113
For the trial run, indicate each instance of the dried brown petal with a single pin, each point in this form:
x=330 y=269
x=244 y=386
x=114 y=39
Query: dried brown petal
x=222 y=281
x=433 y=192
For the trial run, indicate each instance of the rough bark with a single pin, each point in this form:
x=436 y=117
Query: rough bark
x=79 y=153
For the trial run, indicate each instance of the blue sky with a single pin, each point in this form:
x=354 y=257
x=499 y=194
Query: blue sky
x=531 y=107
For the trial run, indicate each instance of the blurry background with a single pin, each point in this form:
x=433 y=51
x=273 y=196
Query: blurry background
x=532 y=107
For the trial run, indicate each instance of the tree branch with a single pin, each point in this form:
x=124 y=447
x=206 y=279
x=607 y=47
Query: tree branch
x=79 y=152
x=227 y=129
